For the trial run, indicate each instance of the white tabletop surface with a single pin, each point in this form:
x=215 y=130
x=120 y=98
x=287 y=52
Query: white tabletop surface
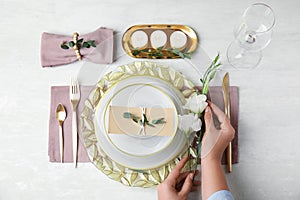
x=269 y=95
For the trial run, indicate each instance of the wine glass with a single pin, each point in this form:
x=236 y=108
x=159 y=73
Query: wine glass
x=252 y=34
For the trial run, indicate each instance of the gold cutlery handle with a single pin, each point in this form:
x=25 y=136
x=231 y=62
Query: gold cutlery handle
x=75 y=137
x=229 y=157
x=61 y=147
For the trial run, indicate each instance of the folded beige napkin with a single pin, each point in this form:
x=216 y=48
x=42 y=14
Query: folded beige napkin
x=117 y=124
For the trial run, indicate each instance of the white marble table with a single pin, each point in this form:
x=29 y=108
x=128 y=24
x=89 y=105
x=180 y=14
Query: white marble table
x=269 y=95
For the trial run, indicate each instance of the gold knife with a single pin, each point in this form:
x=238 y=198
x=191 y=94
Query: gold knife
x=225 y=90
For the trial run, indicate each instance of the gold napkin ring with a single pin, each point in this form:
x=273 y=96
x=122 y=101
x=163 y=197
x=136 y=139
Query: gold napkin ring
x=75 y=47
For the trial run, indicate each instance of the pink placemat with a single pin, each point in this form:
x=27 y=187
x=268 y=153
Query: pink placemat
x=216 y=96
x=60 y=94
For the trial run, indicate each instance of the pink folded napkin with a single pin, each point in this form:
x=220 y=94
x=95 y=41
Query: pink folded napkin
x=53 y=55
x=60 y=94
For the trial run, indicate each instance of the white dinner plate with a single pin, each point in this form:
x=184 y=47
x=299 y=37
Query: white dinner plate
x=139 y=152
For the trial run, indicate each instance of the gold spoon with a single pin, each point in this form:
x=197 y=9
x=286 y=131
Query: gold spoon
x=61 y=116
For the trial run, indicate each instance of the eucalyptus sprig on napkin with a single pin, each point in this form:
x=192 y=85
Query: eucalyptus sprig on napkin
x=80 y=44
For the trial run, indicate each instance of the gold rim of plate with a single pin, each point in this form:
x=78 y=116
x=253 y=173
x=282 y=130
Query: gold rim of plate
x=115 y=171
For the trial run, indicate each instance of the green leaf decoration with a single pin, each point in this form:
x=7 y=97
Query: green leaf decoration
x=135 y=119
x=92 y=43
x=181 y=55
x=127 y=115
x=159 y=121
x=210 y=74
x=151 y=125
x=71 y=44
x=63 y=46
x=80 y=41
x=160 y=48
x=176 y=51
x=188 y=55
x=136 y=52
x=145 y=50
x=86 y=45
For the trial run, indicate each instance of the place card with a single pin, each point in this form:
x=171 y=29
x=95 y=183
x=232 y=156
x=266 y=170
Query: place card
x=118 y=124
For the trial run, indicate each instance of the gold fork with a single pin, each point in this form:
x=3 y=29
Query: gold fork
x=74 y=97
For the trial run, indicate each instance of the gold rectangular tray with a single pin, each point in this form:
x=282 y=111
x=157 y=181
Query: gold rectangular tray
x=163 y=52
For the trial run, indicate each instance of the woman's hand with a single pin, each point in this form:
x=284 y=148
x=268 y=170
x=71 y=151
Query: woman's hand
x=215 y=140
x=178 y=184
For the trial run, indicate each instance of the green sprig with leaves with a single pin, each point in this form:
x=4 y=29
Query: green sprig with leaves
x=210 y=74
x=138 y=120
x=80 y=44
x=160 y=52
x=207 y=77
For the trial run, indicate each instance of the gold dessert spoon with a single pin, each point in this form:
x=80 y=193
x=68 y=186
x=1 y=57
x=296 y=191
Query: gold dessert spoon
x=61 y=116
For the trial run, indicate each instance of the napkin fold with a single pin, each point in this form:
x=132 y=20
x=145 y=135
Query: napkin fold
x=60 y=94
x=53 y=55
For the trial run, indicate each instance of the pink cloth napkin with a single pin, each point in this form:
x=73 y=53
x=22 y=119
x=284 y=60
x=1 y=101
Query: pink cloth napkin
x=60 y=94
x=216 y=96
x=53 y=55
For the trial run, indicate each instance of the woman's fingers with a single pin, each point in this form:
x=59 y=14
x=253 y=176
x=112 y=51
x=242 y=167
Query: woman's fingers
x=187 y=185
x=219 y=113
x=177 y=170
x=224 y=120
x=208 y=116
x=182 y=176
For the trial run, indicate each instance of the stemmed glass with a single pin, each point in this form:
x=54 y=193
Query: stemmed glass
x=252 y=34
